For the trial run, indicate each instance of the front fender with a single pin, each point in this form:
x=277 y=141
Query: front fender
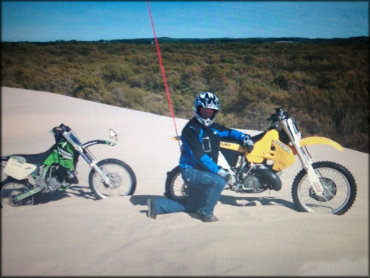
x=320 y=140
x=94 y=142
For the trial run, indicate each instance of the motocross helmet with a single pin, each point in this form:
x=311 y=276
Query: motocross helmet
x=206 y=106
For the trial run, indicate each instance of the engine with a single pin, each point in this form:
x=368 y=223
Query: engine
x=249 y=184
x=257 y=179
x=253 y=184
x=60 y=176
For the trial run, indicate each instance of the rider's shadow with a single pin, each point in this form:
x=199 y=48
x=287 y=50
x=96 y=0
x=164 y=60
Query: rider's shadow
x=141 y=200
x=78 y=191
x=252 y=201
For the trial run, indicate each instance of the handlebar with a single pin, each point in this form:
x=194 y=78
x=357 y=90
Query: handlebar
x=62 y=127
x=278 y=116
x=66 y=132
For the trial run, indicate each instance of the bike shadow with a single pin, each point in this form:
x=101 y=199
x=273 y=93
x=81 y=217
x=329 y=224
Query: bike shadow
x=141 y=200
x=252 y=201
x=74 y=191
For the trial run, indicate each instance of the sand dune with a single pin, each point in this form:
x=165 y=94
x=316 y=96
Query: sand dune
x=71 y=233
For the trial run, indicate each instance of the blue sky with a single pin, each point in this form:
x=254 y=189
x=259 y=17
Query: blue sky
x=91 y=21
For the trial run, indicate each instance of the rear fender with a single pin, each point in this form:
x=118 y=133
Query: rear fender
x=18 y=169
x=5 y=158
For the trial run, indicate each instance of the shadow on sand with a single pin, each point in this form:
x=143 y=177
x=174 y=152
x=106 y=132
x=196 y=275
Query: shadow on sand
x=252 y=201
x=74 y=190
x=141 y=200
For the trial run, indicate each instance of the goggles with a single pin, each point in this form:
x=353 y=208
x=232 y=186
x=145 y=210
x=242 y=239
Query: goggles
x=207 y=113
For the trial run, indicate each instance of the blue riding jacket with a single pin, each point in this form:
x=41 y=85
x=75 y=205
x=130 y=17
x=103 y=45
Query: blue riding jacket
x=200 y=144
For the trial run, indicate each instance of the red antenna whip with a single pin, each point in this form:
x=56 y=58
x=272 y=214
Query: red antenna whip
x=162 y=70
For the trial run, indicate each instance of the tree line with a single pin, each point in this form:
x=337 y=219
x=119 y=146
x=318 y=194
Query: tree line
x=323 y=83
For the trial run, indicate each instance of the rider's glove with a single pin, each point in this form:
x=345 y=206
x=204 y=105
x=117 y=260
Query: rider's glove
x=248 y=143
x=229 y=178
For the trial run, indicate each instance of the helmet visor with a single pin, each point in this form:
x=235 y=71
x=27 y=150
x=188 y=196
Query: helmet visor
x=207 y=113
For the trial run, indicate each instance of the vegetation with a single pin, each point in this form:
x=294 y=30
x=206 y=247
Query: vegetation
x=323 y=83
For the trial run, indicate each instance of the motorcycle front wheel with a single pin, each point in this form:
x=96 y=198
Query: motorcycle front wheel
x=10 y=189
x=120 y=174
x=339 y=189
x=175 y=186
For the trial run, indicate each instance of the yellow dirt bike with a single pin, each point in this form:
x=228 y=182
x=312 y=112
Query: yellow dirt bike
x=324 y=186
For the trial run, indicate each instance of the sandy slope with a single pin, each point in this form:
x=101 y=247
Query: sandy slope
x=73 y=234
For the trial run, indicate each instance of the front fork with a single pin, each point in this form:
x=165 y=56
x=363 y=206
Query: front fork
x=305 y=158
x=88 y=156
x=90 y=159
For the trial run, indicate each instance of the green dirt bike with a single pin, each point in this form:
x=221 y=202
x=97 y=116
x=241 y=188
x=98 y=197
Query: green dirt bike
x=55 y=169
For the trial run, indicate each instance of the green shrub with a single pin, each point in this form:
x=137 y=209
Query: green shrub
x=324 y=84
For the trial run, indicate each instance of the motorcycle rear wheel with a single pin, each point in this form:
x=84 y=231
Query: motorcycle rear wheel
x=339 y=189
x=175 y=186
x=10 y=189
x=120 y=174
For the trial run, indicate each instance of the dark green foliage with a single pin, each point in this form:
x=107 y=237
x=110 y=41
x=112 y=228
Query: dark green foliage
x=323 y=83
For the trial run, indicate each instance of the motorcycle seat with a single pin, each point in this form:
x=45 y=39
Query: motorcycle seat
x=36 y=159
